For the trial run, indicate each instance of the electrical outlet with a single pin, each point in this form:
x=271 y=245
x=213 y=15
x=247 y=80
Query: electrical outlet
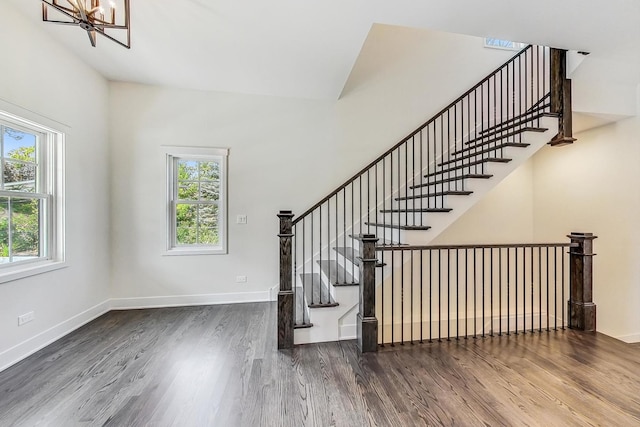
x=26 y=318
x=241 y=219
x=241 y=279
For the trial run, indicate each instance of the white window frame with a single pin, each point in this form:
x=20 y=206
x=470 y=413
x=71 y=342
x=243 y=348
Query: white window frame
x=51 y=176
x=220 y=155
x=514 y=45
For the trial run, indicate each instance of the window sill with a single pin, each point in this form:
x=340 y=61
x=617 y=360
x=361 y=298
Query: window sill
x=23 y=271
x=194 y=251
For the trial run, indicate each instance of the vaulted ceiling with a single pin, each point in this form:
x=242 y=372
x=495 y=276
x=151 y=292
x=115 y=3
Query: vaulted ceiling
x=306 y=49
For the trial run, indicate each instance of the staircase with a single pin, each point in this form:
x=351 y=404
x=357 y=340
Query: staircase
x=419 y=187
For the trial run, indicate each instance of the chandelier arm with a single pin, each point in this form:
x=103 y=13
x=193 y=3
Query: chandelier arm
x=62 y=10
x=75 y=24
x=127 y=45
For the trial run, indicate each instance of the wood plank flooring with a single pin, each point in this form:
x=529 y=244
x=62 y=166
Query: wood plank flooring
x=218 y=366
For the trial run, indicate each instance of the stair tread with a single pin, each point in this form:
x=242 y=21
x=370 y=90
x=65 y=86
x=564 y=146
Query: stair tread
x=489 y=138
x=437 y=194
x=337 y=274
x=453 y=178
x=382 y=242
x=352 y=254
x=420 y=210
x=470 y=164
x=517 y=121
x=485 y=150
x=316 y=292
x=399 y=226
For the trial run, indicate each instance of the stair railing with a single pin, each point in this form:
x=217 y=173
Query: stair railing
x=396 y=190
x=473 y=291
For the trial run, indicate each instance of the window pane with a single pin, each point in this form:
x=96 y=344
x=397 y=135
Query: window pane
x=188 y=191
x=187 y=170
x=19 y=176
x=210 y=191
x=208 y=225
x=19 y=145
x=4 y=230
x=25 y=228
x=186 y=224
x=209 y=171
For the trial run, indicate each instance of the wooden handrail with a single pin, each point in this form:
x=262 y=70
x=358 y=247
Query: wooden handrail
x=478 y=246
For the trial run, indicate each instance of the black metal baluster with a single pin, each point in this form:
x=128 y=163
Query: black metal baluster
x=563 y=255
x=448 y=294
x=475 y=303
x=336 y=246
x=344 y=234
x=421 y=297
x=393 y=292
x=516 y=288
x=406 y=184
x=420 y=174
x=402 y=297
x=540 y=288
x=411 y=289
x=384 y=201
x=439 y=295
x=466 y=292
x=375 y=206
x=500 y=292
x=555 y=288
x=524 y=289
x=457 y=294
x=328 y=251
x=547 y=296
x=508 y=291
x=304 y=268
x=368 y=196
x=491 y=290
x=294 y=288
x=430 y=297
x=483 y=292
x=320 y=252
x=532 y=291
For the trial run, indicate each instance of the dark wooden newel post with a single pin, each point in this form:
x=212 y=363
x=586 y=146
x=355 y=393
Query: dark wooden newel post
x=582 y=310
x=366 y=321
x=561 y=98
x=285 y=295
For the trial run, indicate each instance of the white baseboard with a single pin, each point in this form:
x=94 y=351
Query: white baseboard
x=188 y=300
x=26 y=348
x=629 y=339
x=348 y=332
x=273 y=292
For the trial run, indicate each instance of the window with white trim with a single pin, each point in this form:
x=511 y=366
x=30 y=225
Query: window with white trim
x=196 y=200
x=31 y=223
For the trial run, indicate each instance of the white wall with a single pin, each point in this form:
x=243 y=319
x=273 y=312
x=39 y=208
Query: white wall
x=504 y=215
x=284 y=154
x=277 y=146
x=42 y=81
x=592 y=186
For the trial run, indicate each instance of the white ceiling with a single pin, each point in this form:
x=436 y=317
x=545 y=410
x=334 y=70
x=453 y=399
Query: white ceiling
x=306 y=48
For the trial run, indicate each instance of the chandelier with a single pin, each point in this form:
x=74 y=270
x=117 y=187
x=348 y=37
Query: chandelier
x=92 y=16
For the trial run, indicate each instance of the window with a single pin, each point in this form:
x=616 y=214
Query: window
x=196 y=200
x=30 y=192
x=503 y=44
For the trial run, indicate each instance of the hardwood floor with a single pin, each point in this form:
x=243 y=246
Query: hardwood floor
x=218 y=366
